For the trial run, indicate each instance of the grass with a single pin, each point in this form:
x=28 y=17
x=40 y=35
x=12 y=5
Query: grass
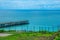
x=57 y=37
x=26 y=35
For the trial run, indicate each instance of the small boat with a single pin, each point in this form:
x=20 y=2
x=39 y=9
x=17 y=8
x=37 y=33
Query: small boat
x=14 y=23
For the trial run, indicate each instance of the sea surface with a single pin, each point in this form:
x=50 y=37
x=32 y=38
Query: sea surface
x=38 y=20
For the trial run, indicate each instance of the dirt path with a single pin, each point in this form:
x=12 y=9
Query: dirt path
x=4 y=34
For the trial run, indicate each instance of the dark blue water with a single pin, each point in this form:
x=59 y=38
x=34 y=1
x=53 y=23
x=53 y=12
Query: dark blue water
x=37 y=19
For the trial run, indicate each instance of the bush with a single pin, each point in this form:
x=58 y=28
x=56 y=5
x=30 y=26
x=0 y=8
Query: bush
x=1 y=31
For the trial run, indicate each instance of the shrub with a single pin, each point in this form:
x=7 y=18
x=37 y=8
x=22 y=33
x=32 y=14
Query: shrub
x=1 y=31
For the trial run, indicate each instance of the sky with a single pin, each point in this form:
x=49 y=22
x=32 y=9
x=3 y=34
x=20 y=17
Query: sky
x=29 y=4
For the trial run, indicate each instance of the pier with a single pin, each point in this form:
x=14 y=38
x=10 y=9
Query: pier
x=8 y=24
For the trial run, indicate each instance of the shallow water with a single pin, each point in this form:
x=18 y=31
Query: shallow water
x=37 y=19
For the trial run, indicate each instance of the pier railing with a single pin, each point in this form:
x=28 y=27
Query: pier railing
x=33 y=28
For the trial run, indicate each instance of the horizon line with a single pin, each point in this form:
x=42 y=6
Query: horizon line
x=30 y=9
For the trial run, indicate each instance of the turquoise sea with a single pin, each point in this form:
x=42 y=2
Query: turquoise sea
x=38 y=19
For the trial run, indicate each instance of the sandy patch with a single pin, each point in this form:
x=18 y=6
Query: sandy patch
x=4 y=34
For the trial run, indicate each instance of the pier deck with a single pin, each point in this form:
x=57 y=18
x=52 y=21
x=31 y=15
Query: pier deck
x=14 y=23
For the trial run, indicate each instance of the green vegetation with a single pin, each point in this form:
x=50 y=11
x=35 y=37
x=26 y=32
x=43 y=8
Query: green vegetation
x=58 y=37
x=1 y=31
x=19 y=35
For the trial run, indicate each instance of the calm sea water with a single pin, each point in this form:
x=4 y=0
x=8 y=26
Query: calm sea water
x=37 y=19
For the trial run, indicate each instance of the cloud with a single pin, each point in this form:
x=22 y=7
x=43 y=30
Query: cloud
x=29 y=4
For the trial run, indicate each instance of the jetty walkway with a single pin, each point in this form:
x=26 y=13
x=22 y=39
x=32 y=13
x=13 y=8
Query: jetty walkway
x=7 y=24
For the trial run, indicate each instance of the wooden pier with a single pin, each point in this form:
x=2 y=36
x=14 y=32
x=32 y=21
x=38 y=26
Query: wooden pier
x=8 y=24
